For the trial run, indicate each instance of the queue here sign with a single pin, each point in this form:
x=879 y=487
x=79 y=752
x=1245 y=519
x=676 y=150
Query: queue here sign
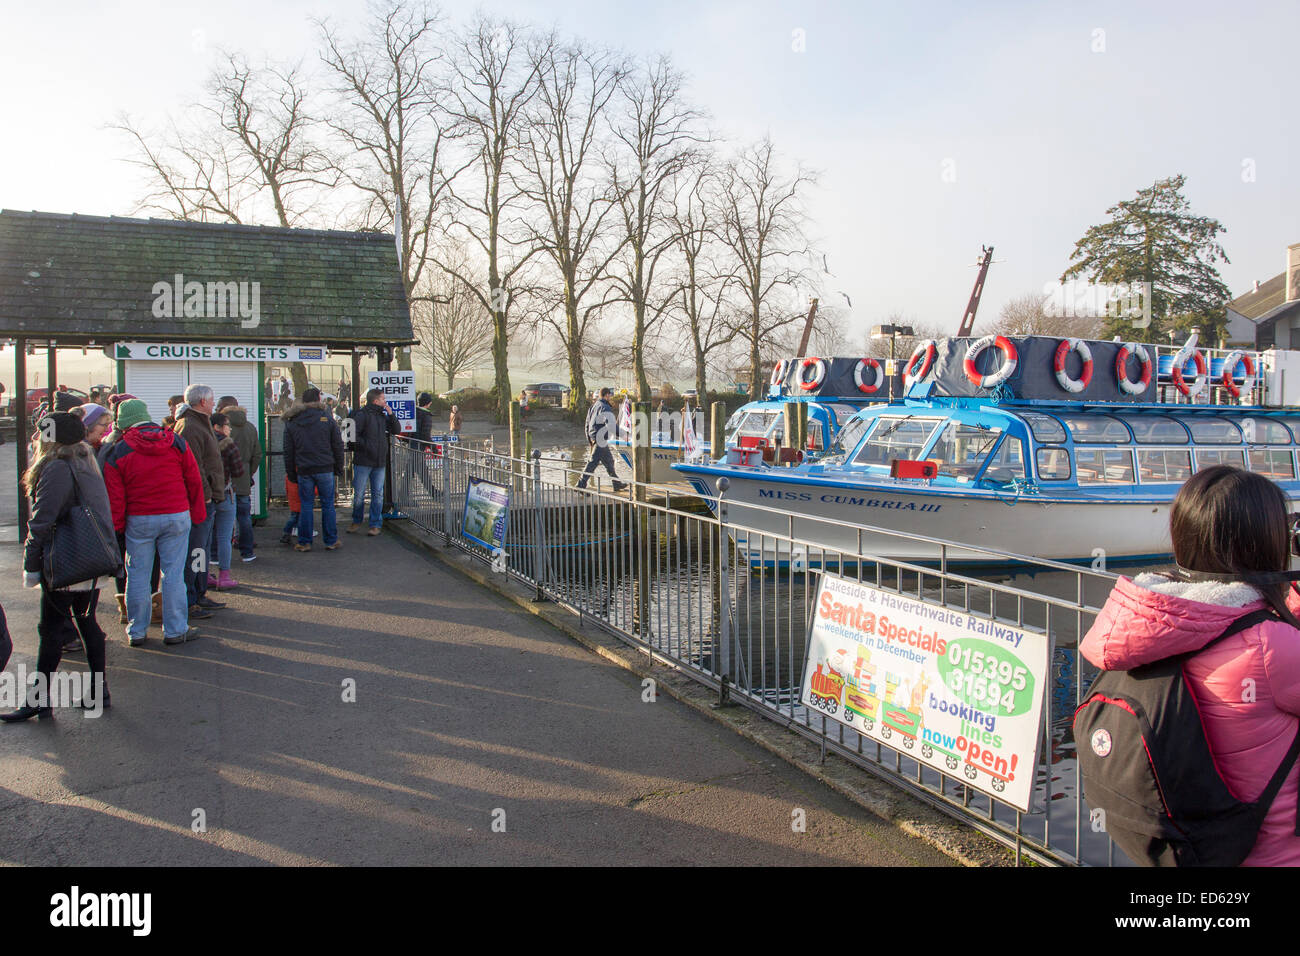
x=399 y=392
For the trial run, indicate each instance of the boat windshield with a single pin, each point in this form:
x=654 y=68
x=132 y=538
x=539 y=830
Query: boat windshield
x=962 y=448
x=846 y=439
x=896 y=438
x=757 y=421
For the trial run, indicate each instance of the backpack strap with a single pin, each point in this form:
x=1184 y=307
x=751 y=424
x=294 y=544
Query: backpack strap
x=1236 y=627
x=1279 y=776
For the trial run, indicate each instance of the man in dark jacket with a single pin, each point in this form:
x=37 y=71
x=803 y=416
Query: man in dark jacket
x=602 y=425
x=313 y=459
x=374 y=422
x=424 y=417
x=244 y=434
x=194 y=424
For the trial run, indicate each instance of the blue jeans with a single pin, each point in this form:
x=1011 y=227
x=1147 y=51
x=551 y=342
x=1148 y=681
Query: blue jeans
x=196 y=582
x=222 y=528
x=244 y=519
x=308 y=486
x=169 y=537
x=363 y=476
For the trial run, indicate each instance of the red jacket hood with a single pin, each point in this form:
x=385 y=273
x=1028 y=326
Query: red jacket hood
x=1150 y=617
x=150 y=439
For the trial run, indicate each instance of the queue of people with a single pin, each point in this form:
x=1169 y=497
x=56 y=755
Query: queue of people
x=152 y=508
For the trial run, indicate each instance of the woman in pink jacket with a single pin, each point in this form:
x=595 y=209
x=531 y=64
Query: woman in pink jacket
x=1226 y=525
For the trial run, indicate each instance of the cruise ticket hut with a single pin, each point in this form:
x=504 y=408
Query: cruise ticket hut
x=177 y=303
x=155 y=371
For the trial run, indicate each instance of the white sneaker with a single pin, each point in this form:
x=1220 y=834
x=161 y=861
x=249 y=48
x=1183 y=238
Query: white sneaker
x=251 y=557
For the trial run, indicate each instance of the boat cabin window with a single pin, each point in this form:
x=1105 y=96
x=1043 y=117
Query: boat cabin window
x=1046 y=430
x=1272 y=463
x=1104 y=466
x=1155 y=429
x=1156 y=465
x=1007 y=463
x=961 y=449
x=1053 y=464
x=896 y=438
x=1265 y=431
x=1293 y=424
x=1212 y=431
x=1207 y=457
x=1096 y=429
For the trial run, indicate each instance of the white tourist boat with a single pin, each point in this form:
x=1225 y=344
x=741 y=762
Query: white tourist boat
x=1066 y=479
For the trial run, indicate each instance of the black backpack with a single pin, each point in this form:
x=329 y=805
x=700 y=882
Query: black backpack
x=1146 y=763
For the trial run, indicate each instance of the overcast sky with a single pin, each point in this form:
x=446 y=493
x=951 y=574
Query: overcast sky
x=1042 y=116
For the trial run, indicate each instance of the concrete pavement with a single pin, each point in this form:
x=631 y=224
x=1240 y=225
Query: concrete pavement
x=468 y=711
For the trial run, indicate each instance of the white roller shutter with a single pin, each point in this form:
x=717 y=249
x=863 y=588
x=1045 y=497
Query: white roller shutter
x=154 y=383
x=240 y=380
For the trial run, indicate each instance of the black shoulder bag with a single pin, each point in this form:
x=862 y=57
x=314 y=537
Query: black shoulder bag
x=82 y=547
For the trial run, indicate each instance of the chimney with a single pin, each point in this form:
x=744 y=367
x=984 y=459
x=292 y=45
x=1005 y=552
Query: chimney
x=1293 y=272
x=1256 y=285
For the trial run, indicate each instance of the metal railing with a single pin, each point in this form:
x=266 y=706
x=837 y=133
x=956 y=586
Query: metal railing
x=730 y=605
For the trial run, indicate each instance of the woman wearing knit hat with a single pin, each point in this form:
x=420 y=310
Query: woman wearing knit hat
x=64 y=474
x=155 y=492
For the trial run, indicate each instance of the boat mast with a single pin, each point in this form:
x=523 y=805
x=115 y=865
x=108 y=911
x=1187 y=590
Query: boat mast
x=807 y=330
x=968 y=319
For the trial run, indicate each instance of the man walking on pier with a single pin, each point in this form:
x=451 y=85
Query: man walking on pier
x=601 y=426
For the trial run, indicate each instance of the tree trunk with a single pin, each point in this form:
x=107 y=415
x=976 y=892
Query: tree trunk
x=702 y=396
x=755 y=371
x=298 y=372
x=577 y=381
x=638 y=356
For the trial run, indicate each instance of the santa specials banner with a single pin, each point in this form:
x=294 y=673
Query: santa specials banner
x=959 y=693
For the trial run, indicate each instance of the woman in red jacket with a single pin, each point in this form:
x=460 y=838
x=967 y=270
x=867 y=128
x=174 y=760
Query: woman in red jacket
x=1226 y=525
x=156 y=492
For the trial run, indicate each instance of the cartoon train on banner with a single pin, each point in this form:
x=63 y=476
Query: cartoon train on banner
x=852 y=685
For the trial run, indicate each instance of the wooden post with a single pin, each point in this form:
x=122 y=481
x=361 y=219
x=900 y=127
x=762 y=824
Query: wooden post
x=22 y=429
x=516 y=439
x=801 y=430
x=790 y=411
x=717 y=430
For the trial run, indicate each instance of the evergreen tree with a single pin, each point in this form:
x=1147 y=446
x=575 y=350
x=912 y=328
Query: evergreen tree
x=1155 y=238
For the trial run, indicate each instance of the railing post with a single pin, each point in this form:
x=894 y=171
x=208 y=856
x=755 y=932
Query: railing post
x=539 y=527
x=723 y=646
x=642 y=448
x=446 y=491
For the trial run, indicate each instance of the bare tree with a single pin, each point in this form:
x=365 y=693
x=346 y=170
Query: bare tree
x=454 y=328
x=763 y=225
x=254 y=155
x=1028 y=315
x=494 y=81
x=571 y=201
x=395 y=139
x=657 y=137
x=704 y=275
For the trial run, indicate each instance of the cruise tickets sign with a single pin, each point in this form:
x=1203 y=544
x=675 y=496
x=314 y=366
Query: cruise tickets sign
x=399 y=391
x=957 y=692
x=217 y=352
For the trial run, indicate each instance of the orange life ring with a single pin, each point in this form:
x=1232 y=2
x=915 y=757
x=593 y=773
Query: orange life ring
x=930 y=351
x=819 y=374
x=877 y=380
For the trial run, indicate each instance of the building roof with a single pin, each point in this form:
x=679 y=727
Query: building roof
x=91 y=277
x=1255 y=304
